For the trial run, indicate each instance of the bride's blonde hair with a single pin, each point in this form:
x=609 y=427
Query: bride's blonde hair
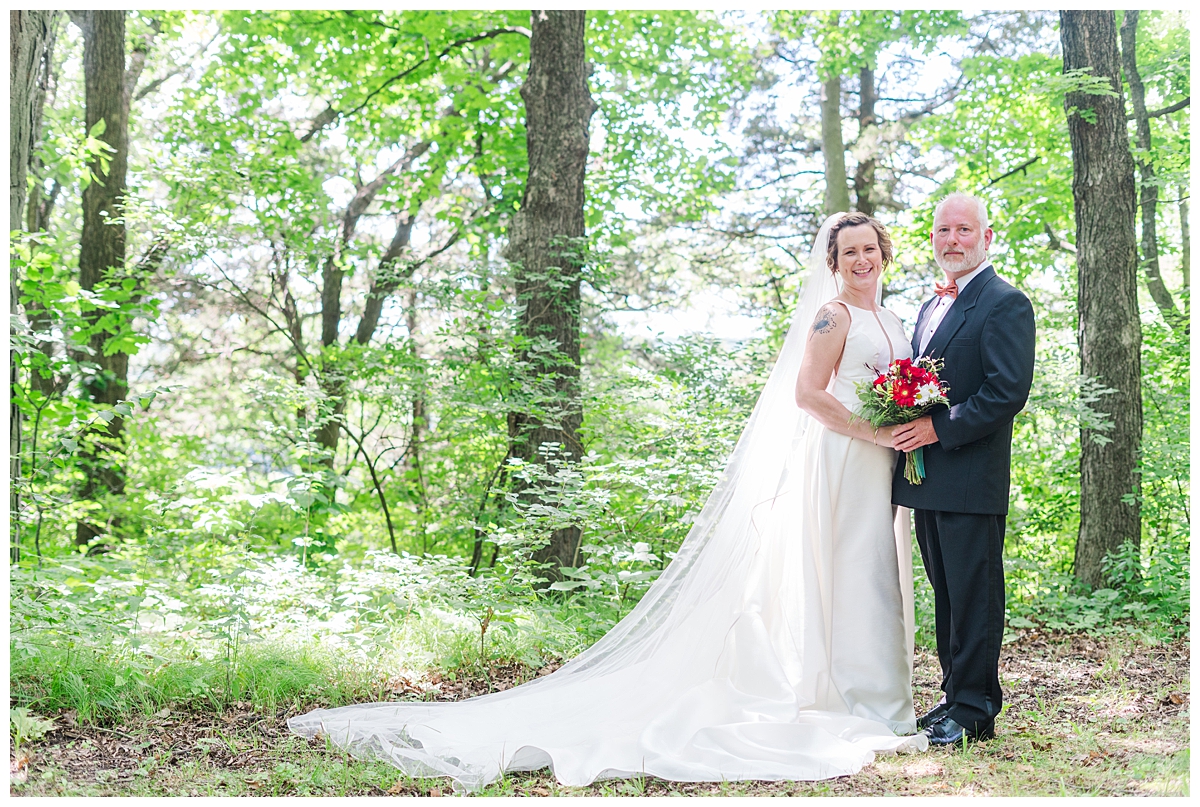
x=857 y=220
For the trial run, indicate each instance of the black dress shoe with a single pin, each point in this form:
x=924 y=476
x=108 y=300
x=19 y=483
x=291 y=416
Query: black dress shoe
x=932 y=716
x=947 y=732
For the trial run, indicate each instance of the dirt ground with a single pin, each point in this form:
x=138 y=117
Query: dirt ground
x=1085 y=715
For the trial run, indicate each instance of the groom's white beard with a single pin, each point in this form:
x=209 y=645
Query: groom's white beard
x=970 y=260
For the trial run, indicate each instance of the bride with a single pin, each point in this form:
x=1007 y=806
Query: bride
x=778 y=642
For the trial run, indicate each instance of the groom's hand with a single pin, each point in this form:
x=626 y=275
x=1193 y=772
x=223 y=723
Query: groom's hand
x=911 y=436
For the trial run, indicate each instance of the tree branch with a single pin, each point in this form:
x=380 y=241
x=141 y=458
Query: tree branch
x=332 y=273
x=949 y=95
x=137 y=62
x=158 y=82
x=1055 y=243
x=330 y=114
x=1158 y=113
x=1148 y=192
x=1008 y=174
x=387 y=514
x=154 y=256
x=240 y=295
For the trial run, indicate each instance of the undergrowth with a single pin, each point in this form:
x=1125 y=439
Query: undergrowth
x=97 y=638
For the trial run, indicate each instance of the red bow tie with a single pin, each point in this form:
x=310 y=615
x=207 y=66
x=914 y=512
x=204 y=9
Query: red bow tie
x=950 y=288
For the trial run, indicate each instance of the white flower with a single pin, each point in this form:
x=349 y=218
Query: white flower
x=927 y=394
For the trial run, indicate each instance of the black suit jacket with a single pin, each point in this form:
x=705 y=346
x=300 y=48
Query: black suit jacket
x=987 y=342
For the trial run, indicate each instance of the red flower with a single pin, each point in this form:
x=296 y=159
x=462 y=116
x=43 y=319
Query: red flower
x=920 y=375
x=879 y=382
x=904 y=393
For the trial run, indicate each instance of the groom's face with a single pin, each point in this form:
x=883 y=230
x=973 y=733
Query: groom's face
x=960 y=243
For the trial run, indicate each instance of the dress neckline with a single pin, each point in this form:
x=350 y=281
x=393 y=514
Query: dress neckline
x=858 y=308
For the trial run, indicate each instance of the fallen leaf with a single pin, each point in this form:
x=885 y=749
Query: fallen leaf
x=1176 y=698
x=18 y=769
x=164 y=712
x=435 y=791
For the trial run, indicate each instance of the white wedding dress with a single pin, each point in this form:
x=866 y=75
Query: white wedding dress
x=776 y=645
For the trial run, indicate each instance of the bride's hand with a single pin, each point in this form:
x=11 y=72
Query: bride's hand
x=883 y=437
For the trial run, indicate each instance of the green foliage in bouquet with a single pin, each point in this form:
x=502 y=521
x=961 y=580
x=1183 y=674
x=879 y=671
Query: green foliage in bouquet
x=907 y=391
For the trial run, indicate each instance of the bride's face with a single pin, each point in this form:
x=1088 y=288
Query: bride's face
x=859 y=258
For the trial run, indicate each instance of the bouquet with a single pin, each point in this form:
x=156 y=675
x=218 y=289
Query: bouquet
x=904 y=393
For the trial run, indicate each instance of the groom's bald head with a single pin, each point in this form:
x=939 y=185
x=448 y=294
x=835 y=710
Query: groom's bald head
x=968 y=200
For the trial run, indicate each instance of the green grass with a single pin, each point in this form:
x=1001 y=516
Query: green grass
x=106 y=687
x=103 y=679
x=1086 y=716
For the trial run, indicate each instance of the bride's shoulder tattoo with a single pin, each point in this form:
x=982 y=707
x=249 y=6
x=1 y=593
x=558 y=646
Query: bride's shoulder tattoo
x=826 y=320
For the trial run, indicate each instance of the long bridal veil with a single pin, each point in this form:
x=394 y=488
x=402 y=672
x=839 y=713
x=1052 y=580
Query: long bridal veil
x=709 y=678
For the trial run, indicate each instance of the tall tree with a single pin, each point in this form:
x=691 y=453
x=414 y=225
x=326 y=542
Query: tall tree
x=1109 y=332
x=1185 y=238
x=445 y=109
x=850 y=44
x=864 y=174
x=546 y=245
x=1148 y=201
x=31 y=44
x=102 y=243
x=833 y=147
x=333 y=379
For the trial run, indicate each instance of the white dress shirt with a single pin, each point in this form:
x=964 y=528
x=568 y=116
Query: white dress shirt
x=938 y=312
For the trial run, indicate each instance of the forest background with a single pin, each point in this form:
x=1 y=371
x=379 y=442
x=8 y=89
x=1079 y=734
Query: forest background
x=275 y=438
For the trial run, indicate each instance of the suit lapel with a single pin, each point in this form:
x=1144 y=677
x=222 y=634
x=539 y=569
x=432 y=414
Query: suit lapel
x=957 y=315
x=922 y=321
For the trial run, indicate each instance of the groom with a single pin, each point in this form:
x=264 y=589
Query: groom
x=984 y=330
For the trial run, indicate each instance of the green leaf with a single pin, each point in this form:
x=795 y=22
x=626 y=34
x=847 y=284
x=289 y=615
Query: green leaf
x=25 y=725
x=566 y=585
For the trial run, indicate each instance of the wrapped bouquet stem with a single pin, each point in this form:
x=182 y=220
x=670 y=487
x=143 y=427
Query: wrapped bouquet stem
x=906 y=391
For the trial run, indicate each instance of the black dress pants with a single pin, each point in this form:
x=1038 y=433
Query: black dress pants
x=963 y=557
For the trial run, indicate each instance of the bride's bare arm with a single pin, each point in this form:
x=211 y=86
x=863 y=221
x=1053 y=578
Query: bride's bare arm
x=826 y=340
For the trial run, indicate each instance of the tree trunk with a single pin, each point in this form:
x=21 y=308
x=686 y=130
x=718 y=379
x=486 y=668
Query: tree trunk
x=1109 y=333
x=332 y=379
x=546 y=244
x=31 y=45
x=386 y=280
x=864 y=175
x=102 y=243
x=1149 y=187
x=837 y=194
x=413 y=469
x=1185 y=238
